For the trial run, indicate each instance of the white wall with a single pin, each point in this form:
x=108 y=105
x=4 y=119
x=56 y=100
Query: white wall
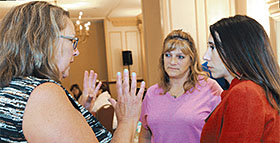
x=258 y=10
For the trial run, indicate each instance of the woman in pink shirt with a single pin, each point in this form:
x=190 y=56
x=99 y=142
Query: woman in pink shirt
x=174 y=110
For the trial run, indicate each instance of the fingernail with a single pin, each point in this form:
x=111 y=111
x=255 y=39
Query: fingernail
x=125 y=70
x=133 y=74
x=118 y=73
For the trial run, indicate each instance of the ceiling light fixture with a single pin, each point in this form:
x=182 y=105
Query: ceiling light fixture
x=82 y=28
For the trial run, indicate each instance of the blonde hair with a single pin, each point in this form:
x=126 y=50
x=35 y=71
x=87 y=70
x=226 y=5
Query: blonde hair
x=28 y=37
x=178 y=39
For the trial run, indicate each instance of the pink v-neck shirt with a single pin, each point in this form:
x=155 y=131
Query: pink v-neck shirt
x=179 y=120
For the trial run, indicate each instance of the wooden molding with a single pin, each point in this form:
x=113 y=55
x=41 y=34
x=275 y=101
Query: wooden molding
x=140 y=18
x=269 y=2
x=125 y=21
x=274 y=9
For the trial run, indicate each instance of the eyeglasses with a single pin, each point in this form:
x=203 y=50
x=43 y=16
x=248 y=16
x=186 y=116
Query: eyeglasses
x=74 y=40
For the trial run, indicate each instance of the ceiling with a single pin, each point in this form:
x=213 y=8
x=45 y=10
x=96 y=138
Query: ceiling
x=92 y=9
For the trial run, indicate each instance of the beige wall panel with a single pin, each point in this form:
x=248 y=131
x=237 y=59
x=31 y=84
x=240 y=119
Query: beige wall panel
x=217 y=9
x=131 y=38
x=183 y=16
x=114 y=48
x=165 y=15
x=202 y=28
x=121 y=38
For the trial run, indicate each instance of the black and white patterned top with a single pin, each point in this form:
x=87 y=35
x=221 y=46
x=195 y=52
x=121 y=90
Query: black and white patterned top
x=13 y=99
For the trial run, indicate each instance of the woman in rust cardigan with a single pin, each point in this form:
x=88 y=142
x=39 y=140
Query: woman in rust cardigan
x=239 y=50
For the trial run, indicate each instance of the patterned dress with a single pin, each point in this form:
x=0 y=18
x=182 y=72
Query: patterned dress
x=13 y=100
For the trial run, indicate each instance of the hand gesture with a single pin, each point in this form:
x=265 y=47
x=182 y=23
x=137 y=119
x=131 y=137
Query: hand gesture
x=128 y=105
x=89 y=90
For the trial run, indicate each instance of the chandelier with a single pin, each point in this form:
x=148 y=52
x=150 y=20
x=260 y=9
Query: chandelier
x=82 y=29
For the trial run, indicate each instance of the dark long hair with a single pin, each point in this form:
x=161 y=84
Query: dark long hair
x=245 y=49
x=77 y=87
x=177 y=39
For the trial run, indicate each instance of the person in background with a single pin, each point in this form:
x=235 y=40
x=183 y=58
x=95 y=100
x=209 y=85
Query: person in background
x=221 y=81
x=239 y=50
x=37 y=46
x=174 y=110
x=76 y=91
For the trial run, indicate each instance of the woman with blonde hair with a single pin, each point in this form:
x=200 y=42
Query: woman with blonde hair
x=174 y=110
x=37 y=46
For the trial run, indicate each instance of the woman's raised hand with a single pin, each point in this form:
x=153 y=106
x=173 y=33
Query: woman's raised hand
x=89 y=90
x=128 y=104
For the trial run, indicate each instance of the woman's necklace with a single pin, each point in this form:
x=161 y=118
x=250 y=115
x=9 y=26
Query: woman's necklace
x=176 y=94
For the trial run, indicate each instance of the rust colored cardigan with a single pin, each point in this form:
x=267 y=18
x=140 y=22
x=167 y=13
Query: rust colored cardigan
x=243 y=116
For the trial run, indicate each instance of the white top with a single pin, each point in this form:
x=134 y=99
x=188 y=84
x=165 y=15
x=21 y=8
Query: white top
x=102 y=100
